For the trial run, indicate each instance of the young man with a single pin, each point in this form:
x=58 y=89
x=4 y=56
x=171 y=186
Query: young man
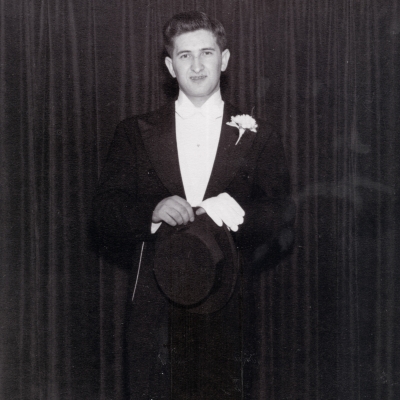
x=173 y=166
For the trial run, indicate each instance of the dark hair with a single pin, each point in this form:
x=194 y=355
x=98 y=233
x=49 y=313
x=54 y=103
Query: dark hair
x=189 y=22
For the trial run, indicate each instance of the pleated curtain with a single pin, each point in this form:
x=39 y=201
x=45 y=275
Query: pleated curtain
x=324 y=73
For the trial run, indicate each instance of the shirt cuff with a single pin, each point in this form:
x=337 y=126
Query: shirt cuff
x=154 y=227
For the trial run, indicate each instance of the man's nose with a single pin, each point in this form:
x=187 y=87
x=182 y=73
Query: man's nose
x=197 y=65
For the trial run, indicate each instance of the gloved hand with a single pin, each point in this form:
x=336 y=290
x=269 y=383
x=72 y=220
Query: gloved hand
x=223 y=209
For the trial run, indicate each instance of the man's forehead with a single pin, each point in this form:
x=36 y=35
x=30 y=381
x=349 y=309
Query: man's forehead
x=195 y=39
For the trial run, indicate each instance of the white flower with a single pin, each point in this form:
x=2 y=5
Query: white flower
x=243 y=122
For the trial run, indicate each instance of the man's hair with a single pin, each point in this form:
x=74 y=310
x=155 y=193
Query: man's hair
x=189 y=22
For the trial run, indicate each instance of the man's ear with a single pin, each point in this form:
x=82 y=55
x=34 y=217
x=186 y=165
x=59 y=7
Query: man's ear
x=168 y=63
x=225 y=59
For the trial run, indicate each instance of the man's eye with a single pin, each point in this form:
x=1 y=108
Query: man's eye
x=208 y=53
x=184 y=56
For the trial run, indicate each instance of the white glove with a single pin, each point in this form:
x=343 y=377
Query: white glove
x=224 y=209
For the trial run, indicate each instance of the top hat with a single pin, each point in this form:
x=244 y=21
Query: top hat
x=196 y=265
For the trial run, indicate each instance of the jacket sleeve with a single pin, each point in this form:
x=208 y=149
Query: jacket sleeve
x=267 y=231
x=121 y=213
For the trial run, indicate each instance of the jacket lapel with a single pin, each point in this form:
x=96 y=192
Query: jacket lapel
x=159 y=137
x=229 y=155
x=158 y=133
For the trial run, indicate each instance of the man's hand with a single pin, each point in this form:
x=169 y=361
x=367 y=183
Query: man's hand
x=174 y=211
x=223 y=209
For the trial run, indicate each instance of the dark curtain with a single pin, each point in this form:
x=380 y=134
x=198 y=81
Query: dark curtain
x=324 y=72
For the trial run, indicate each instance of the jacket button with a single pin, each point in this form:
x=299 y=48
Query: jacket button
x=151 y=172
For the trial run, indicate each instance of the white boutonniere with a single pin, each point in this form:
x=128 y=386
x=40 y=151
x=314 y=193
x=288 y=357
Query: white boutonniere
x=243 y=122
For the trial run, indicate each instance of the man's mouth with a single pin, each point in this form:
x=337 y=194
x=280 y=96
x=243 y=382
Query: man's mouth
x=198 y=78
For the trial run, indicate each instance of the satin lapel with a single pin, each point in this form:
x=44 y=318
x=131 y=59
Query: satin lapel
x=229 y=156
x=159 y=137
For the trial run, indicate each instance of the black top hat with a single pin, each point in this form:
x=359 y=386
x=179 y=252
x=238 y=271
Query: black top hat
x=196 y=265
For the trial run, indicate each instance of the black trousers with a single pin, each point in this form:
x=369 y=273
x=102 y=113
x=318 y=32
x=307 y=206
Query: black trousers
x=175 y=354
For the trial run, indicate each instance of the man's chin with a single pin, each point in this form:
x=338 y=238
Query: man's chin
x=199 y=86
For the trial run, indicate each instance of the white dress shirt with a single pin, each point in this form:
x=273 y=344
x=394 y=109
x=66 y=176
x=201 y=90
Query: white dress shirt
x=197 y=134
x=198 y=130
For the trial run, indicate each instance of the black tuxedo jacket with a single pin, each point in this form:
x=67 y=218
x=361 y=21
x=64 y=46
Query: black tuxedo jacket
x=142 y=168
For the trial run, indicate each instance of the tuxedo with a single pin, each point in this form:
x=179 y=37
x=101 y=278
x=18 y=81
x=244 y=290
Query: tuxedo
x=142 y=168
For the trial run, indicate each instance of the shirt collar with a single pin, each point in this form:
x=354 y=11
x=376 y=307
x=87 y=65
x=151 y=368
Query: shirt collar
x=212 y=108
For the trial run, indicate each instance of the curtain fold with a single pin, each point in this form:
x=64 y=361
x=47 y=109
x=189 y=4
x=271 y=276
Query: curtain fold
x=325 y=74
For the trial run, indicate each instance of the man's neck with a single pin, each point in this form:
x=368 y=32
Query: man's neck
x=198 y=102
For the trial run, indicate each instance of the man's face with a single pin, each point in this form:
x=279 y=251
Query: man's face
x=197 y=63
